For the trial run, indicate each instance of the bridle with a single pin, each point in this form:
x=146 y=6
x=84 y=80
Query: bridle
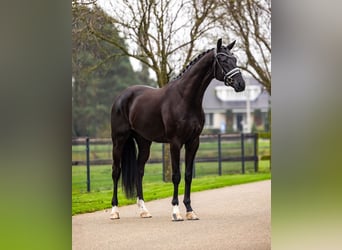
x=228 y=76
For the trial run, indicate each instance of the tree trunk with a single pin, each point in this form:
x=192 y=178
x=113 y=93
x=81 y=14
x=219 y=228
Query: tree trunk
x=163 y=79
x=167 y=166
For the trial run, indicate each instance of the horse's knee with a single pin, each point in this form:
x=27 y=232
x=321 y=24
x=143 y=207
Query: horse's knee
x=188 y=177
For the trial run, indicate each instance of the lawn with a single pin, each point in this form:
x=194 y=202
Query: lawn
x=154 y=188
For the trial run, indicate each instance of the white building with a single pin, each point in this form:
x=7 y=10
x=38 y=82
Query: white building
x=227 y=110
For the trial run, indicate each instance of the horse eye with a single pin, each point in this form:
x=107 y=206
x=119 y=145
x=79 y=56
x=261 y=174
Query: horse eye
x=224 y=59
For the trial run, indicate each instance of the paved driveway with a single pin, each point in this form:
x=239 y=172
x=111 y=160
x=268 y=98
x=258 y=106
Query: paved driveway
x=237 y=217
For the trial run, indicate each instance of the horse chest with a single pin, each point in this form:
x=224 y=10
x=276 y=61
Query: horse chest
x=189 y=126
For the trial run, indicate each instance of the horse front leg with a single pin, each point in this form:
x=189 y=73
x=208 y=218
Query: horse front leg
x=190 y=152
x=176 y=177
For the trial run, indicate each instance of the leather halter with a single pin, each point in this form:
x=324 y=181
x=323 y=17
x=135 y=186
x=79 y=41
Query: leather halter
x=228 y=76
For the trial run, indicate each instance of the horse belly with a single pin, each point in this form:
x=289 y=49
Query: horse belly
x=150 y=131
x=148 y=124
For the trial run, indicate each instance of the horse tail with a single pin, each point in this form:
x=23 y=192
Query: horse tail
x=129 y=168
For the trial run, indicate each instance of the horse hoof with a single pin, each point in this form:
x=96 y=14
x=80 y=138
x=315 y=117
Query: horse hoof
x=114 y=216
x=145 y=214
x=177 y=217
x=191 y=216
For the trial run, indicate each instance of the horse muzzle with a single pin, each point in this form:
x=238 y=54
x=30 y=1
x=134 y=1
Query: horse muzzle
x=236 y=82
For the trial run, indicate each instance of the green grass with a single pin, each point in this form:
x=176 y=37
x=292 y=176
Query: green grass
x=154 y=187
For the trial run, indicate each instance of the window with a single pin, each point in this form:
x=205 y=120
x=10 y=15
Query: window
x=209 y=120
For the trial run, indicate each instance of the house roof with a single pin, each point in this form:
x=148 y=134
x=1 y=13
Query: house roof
x=218 y=97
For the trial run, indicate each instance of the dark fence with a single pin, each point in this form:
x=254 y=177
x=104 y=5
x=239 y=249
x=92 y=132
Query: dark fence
x=218 y=149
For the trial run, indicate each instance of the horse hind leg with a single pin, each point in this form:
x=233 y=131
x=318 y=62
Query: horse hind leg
x=115 y=210
x=143 y=211
x=143 y=155
x=116 y=172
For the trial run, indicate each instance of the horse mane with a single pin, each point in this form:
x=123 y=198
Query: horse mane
x=190 y=64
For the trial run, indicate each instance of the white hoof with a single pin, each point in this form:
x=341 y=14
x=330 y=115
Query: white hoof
x=144 y=213
x=177 y=217
x=114 y=214
x=176 y=214
x=191 y=216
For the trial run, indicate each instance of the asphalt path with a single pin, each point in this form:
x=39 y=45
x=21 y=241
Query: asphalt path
x=236 y=217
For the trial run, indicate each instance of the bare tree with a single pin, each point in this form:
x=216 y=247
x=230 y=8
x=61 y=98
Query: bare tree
x=162 y=34
x=250 y=22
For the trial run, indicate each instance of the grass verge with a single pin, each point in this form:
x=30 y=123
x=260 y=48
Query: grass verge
x=99 y=200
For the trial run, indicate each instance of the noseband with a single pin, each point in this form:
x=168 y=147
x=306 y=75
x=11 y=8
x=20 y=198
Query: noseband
x=228 y=76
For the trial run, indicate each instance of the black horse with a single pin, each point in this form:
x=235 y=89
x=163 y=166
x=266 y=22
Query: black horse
x=172 y=114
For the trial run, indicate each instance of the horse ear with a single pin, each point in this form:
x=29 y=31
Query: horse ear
x=230 y=46
x=219 y=44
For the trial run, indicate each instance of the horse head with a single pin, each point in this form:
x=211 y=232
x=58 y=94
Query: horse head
x=225 y=68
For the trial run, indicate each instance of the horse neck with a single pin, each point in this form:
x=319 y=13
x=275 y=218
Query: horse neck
x=194 y=82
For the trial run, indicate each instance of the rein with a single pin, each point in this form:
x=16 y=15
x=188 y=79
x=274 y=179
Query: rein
x=228 y=76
